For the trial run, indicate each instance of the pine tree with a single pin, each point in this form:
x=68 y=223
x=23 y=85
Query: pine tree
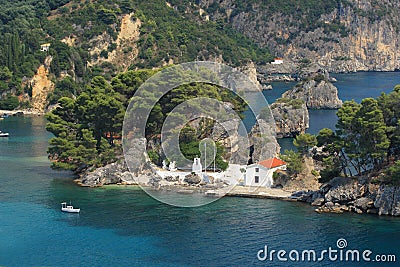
x=304 y=142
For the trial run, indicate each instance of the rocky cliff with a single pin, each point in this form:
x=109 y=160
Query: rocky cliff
x=41 y=85
x=113 y=173
x=317 y=93
x=355 y=195
x=263 y=146
x=291 y=117
x=251 y=71
x=343 y=36
x=226 y=133
x=125 y=51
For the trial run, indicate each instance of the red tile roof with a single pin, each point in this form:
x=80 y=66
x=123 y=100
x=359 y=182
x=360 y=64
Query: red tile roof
x=272 y=163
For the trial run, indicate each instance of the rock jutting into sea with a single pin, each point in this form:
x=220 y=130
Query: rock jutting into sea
x=139 y=171
x=355 y=195
x=291 y=117
x=317 y=91
x=251 y=71
x=113 y=173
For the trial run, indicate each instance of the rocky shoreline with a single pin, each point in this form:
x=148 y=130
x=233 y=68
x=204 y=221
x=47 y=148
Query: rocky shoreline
x=339 y=195
x=22 y=112
x=357 y=195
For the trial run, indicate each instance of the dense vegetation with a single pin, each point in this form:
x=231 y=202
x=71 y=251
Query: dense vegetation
x=294 y=158
x=85 y=127
x=165 y=35
x=366 y=139
x=88 y=122
x=9 y=102
x=294 y=103
x=21 y=34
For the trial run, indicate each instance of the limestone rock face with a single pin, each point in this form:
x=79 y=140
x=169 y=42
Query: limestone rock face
x=317 y=94
x=109 y=174
x=388 y=200
x=41 y=85
x=117 y=173
x=192 y=179
x=263 y=146
x=226 y=133
x=251 y=71
x=356 y=195
x=127 y=37
x=343 y=191
x=368 y=39
x=291 y=118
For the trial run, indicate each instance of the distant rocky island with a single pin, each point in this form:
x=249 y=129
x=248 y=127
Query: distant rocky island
x=317 y=93
x=314 y=91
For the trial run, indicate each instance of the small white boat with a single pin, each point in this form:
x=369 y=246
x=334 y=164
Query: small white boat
x=212 y=193
x=69 y=208
x=3 y=134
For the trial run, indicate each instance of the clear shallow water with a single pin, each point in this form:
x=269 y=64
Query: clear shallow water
x=125 y=227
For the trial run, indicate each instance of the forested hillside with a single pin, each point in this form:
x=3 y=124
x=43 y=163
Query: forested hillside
x=89 y=38
x=83 y=34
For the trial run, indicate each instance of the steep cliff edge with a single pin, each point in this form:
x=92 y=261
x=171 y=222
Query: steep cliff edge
x=317 y=93
x=41 y=85
x=291 y=117
x=343 y=36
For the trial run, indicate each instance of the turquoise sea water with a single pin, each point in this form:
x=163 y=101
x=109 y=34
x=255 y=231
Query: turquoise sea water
x=124 y=227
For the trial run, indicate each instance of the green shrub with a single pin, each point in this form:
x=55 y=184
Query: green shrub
x=315 y=173
x=104 y=54
x=9 y=102
x=153 y=155
x=328 y=174
x=294 y=161
x=296 y=103
x=25 y=104
x=392 y=174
